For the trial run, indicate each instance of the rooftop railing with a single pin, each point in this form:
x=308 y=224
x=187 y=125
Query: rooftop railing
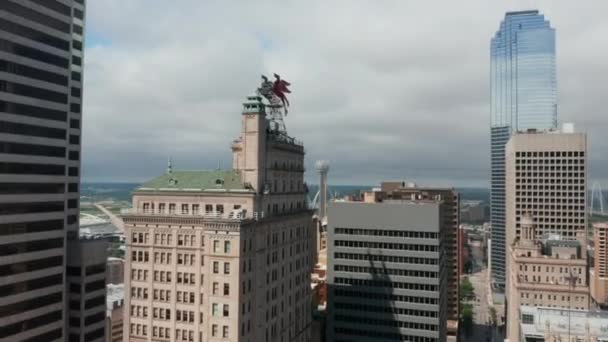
x=232 y=215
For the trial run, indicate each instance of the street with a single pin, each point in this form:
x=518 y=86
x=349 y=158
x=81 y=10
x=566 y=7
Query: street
x=481 y=303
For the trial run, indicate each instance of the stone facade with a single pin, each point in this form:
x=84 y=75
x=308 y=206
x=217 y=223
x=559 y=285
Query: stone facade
x=549 y=273
x=229 y=261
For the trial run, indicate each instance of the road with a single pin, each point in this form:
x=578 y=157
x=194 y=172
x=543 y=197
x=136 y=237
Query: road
x=116 y=221
x=481 y=304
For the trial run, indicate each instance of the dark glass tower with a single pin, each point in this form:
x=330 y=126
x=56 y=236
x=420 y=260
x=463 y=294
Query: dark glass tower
x=523 y=96
x=41 y=57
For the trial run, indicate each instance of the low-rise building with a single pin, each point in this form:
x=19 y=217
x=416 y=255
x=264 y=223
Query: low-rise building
x=542 y=324
x=114 y=312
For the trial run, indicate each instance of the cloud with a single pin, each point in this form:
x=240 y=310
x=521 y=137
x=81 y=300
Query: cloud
x=398 y=90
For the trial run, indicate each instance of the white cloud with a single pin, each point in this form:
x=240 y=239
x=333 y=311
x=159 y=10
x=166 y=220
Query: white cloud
x=397 y=89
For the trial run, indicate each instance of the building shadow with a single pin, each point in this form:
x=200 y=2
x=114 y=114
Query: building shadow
x=364 y=306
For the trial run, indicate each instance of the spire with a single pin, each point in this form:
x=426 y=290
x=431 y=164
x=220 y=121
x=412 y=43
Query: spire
x=169 y=166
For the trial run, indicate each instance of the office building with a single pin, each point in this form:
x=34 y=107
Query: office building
x=540 y=324
x=546 y=176
x=114 y=312
x=387 y=276
x=224 y=254
x=549 y=272
x=599 y=273
x=523 y=96
x=451 y=221
x=41 y=59
x=86 y=280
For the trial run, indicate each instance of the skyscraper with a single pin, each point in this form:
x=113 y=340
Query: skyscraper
x=41 y=56
x=523 y=95
x=224 y=254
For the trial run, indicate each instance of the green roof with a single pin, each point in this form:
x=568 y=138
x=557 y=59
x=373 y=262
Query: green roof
x=215 y=180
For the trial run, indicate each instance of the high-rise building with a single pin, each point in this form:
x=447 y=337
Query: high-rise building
x=86 y=280
x=544 y=272
x=451 y=222
x=546 y=176
x=599 y=272
x=224 y=254
x=387 y=276
x=41 y=59
x=523 y=95
x=115 y=271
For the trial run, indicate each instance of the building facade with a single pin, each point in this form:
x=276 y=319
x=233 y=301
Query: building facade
x=114 y=312
x=546 y=176
x=387 y=276
x=548 y=273
x=41 y=60
x=451 y=221
x=599 y=272
x=523 y=90
x=86 y=280
x=224 y=255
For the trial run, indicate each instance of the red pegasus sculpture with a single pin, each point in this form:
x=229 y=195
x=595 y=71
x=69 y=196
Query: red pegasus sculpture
x=279 y=88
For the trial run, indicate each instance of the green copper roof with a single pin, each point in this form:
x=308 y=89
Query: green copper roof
x=216 y=180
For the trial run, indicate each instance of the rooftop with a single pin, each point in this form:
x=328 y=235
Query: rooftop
x=188 y=181
x=539 y=319
x=115 y=294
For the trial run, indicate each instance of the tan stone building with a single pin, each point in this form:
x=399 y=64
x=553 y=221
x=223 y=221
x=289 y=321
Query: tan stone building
x=223 y=255
x=599 y=273
x=550 y=273
x=114 y=312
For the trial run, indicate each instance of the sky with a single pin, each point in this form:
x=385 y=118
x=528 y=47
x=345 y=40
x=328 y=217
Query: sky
x=383 y=90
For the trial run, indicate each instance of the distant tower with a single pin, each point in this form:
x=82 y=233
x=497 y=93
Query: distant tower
x=322 y=167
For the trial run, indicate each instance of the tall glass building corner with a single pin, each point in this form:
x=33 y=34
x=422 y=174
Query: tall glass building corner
x=523 y=96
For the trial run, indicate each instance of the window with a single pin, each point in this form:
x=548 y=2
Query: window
x=216 y=246
x=215 y=311
x=184 y=209
x=226 y=268
x=225 y=331
x=214 y=329
x=226 y=310
x=226 y=246
x=226 y=289
x=215 y=288
x=219 y=208
x=216 y=267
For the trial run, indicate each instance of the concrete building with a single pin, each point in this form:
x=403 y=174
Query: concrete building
x=224 y=254
x=451 y=221
x=41 y=59
x=387 y=276
x=546 y=176
x=114 y=312
x=544 y=273
x=539 y=324
x=599 y=273
x=86 y=271
x=115 y=271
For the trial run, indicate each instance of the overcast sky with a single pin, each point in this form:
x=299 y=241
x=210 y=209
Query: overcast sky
x=384 y=90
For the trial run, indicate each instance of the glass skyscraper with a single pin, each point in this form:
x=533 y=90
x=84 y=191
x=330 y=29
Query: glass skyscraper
x=523 y=96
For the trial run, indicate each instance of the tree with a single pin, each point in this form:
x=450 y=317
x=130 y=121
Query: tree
x=466 y=319
x=466 y=289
